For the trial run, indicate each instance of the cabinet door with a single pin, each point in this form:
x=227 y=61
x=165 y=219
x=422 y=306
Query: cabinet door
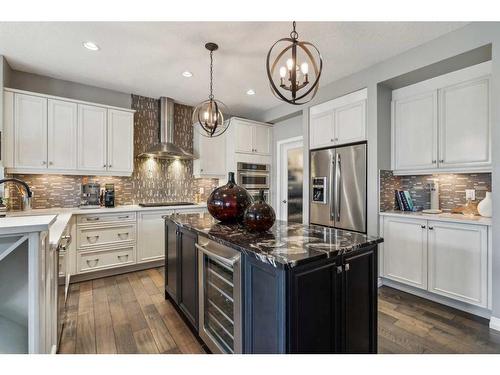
x=30 y=132
x=244 y=137
x=465 y=125
x=171 y=269
x=321 y=130
x=262 y=140
x=350 y=123
x=211 y=153
x=458 y=257
x=415 y=132
x=315 y=312
x=360 y=302
x=405 y=251
x=151 y=238
x=120 y=141
x=62 y=134
x=188 y=267
x=91 y=138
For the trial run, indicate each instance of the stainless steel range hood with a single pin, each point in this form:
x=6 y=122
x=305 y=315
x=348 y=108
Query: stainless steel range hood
x=166 y=149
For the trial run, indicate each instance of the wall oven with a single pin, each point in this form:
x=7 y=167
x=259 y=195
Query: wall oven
x=253 y=176
x=220 y=312
x=255 y=194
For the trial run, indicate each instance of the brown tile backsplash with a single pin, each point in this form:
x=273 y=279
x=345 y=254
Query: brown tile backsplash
x=152 y=179
x=451 y=188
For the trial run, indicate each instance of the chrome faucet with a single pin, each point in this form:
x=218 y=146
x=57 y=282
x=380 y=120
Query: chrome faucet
x=26 y=200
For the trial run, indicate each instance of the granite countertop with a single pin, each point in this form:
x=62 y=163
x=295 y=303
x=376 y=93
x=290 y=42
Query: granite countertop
x=445 y=216
x=284 y=245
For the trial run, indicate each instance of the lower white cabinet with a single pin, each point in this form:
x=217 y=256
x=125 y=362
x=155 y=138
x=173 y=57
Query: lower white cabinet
x=458 y=257
x=445 y=258
x=405 y=251
x=151 y=240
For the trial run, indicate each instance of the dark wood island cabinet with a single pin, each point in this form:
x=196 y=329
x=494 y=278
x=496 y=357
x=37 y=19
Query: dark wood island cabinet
x=299 y=288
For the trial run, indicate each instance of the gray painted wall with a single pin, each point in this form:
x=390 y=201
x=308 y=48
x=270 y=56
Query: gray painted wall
x=289 y=128
x=470 y=37
x=57 y=87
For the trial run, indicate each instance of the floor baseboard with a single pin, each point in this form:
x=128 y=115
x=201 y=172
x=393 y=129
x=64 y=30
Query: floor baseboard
x=495 y=323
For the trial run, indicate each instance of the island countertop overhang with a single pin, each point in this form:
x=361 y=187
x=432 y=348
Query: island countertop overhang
x=285 y=245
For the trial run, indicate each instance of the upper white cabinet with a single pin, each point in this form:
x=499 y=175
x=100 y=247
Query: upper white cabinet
x=62 y=134
x=251 y=137
x=120 y=141
x=338 y=121
x=30 y=132
x=46 y=134
x=211 y=156
x=443 y=124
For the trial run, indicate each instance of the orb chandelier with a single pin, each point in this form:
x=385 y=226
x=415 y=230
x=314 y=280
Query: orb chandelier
x=208 y=116
x=295 y=82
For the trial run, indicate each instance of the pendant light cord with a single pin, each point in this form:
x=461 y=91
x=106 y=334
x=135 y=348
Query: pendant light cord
x=211 y=96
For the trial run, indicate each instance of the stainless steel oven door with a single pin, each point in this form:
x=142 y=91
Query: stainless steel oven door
x=219 y=297
x=253 y=180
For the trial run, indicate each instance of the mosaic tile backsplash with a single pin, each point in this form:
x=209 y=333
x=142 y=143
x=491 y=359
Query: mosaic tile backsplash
x=152 y=179
x=452 y=189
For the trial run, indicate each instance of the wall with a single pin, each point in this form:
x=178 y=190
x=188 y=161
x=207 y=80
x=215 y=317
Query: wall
x=152 y=179
x=285 y=129
x=57 y=87
x=470 y=37
x=451 y=189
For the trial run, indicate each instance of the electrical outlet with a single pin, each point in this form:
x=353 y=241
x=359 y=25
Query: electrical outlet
x=202 y=190
x=470 y=194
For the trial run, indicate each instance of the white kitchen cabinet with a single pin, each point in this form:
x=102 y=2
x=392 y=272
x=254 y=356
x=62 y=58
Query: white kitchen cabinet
x=30 y=132
x=151 y=241
x=62 y=135
x=251 y=137
x=465 y=125
x=338 y=121
x=458 y=258
x=350 y=123
x=92 y=138
x=443 y=124
x=405 y=251
x=415 y=126
x=211 y=156
x=120 y=141
x=321 y=129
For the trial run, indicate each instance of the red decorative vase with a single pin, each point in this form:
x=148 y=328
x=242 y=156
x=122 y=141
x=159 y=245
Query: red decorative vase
x=259 y=216
x=228 y=203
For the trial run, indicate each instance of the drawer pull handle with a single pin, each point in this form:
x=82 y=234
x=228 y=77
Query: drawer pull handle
x=92 y=218
x=96 y=260
x=94 y=237
x=123 y=217
x=123 y=235
x=122 y=256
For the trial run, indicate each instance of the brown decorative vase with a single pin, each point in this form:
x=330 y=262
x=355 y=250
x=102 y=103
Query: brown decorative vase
x=228 y=203
x=260 y=216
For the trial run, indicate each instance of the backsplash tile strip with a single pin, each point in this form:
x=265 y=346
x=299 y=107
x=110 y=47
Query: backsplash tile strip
x=452 y=188
x=152 y=179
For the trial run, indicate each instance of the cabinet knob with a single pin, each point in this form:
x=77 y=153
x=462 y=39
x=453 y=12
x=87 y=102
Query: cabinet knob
x=336 y=139
x=44 y=162
x=422 y=226
x=284 y=200
x=441 y=160
x=104 y=166
x=339 y=269
x=347 y=267
x=51 y=163
x=331 y=139
x=431 y=228
x=201 y=170
x=109 y=165
x=434 y=162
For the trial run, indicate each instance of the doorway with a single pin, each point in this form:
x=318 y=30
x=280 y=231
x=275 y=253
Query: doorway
x=290 y=179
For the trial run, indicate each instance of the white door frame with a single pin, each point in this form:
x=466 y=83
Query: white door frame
x=279 y=145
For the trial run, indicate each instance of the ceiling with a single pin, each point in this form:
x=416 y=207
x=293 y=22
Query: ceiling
x=148 y=58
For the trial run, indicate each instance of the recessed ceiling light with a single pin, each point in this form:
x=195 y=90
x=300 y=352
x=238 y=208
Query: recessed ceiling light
x=91 y=46
x=187 y=74
x=251 y=92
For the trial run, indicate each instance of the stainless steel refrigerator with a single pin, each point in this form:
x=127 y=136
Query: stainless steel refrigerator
x=338 y=187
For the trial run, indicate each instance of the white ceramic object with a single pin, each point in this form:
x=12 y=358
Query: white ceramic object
x=485 y=206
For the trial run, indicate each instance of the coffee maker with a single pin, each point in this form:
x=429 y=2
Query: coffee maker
x=90 y=195
x=109 y=195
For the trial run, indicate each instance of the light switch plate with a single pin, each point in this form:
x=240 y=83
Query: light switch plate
x=470 y=194
x=202 y=190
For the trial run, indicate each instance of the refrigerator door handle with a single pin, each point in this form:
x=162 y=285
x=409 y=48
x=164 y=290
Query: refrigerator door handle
x=331 y=186
x=338 y=177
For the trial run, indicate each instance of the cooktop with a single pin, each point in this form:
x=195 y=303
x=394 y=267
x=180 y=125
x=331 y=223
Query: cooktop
x=161 y=204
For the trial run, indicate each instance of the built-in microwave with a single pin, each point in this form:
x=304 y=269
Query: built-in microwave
x=253 y=176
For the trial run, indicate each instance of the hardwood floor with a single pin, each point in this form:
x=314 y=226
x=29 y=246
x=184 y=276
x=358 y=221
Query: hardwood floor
x=128 y=314
x=125 y=314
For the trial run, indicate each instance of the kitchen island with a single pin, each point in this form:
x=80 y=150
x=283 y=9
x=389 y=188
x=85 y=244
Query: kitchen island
x=294 y=289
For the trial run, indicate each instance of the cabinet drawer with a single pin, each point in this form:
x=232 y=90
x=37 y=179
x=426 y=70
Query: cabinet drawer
x=97 y=260
x=93 y=236
x=105 y=218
